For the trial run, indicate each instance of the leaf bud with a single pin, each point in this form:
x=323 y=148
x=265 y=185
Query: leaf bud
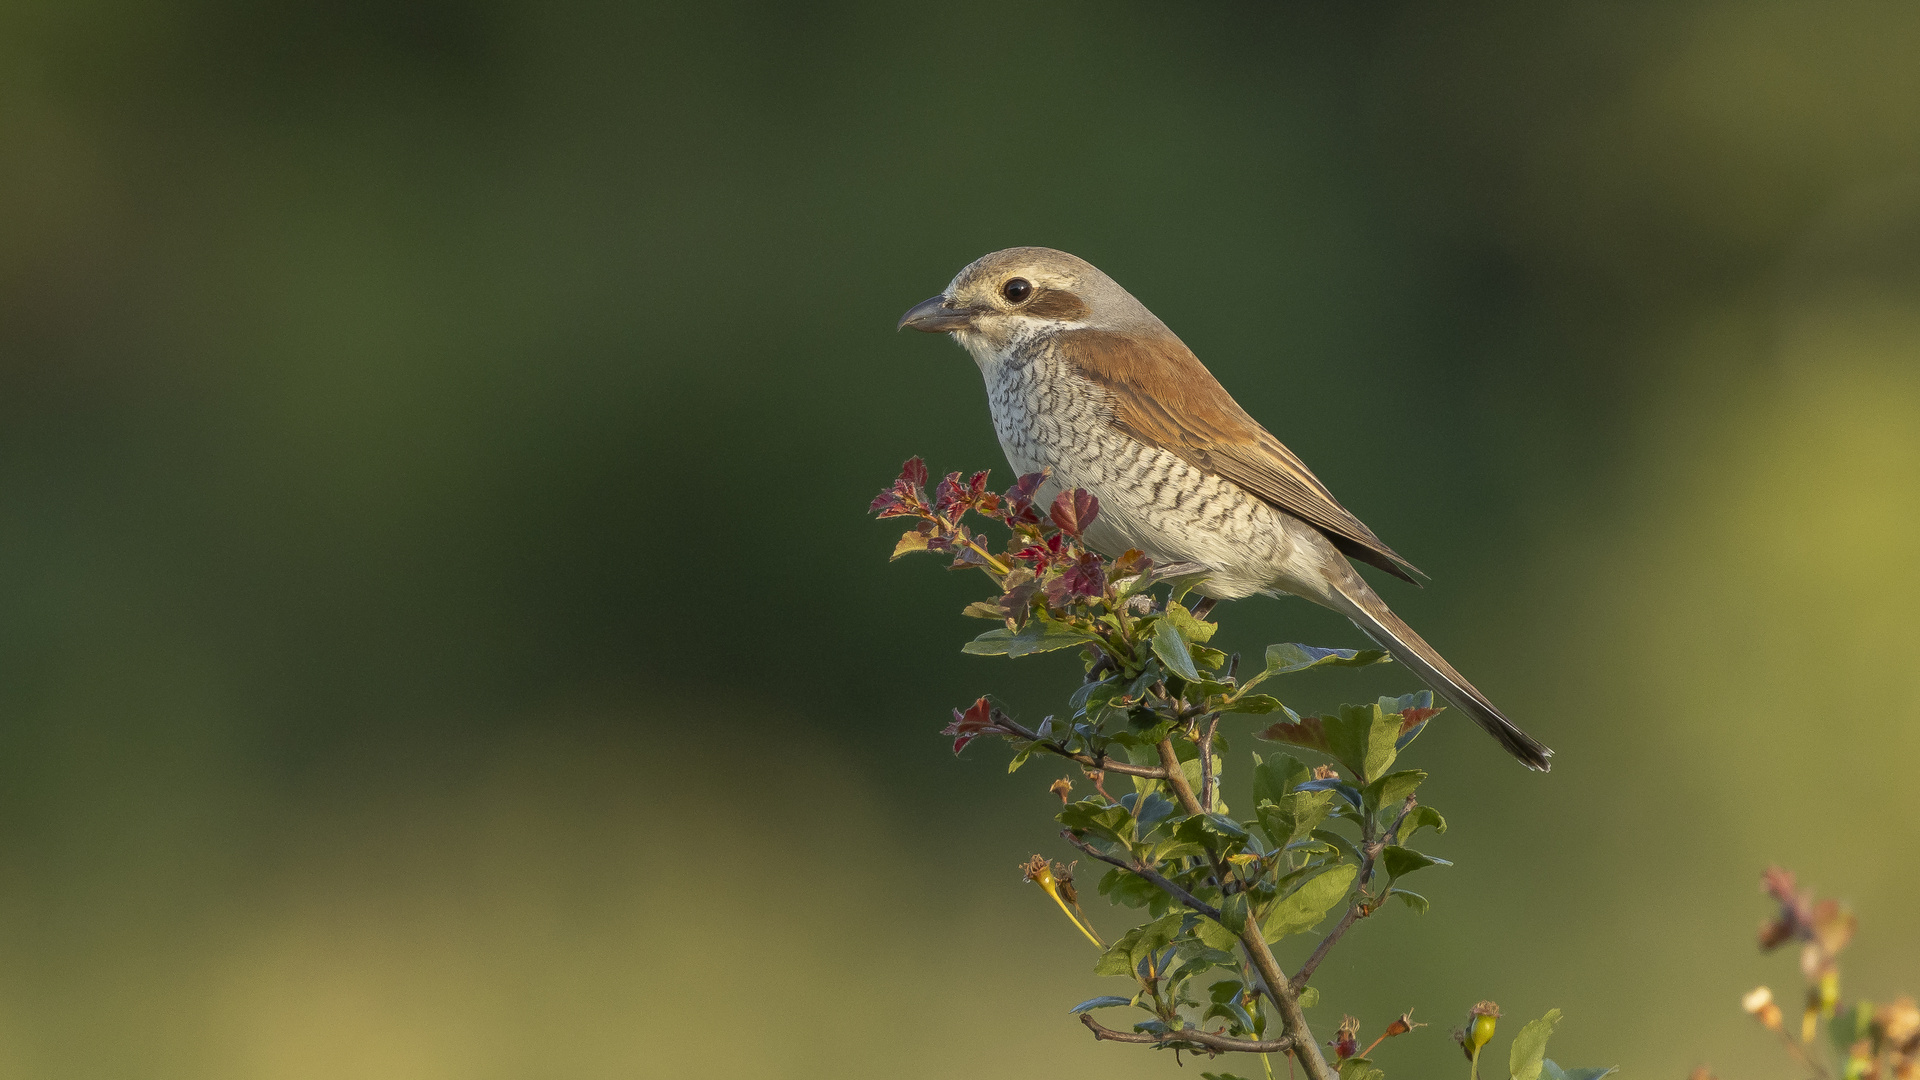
x=1062 y=788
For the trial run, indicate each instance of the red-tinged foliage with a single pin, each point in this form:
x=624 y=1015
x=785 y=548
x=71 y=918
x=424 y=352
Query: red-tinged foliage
x=1308 y=733
x=1132 y=563
x=1017 y=505
x=970 y=725
x=1084 y=576
x=906 y=497
x=1043 y=555
x=1074 y=511
x=1017 y=601
x=1414 y=717
x=950 y=497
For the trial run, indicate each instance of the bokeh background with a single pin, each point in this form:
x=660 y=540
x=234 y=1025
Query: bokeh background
x=439 y=632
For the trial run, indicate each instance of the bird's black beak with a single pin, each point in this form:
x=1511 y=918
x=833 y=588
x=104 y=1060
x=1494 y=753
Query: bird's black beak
x=935 y=315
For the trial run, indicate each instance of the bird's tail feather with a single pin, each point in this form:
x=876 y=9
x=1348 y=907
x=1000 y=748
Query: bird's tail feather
x=1357 y=601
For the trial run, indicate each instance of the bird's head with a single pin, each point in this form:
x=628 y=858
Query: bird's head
x=1000 y=298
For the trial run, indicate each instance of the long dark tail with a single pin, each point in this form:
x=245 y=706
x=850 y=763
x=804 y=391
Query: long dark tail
x=1371 y=615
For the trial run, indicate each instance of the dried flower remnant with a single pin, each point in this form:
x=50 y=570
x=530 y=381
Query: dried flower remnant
x=1049 y=878
x=1346 y=1038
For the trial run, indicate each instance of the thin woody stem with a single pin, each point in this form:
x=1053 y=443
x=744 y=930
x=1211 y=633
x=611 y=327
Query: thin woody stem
x=1153 y=877
x=1207 y=1040
x=1103 y=762
x=1209 y=783
x=1360 y=908
x=1176 y=778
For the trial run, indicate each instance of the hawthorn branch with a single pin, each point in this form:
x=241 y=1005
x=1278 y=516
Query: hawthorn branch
x=1176 y=778
x=1208 y=781
x=1362 y=905
x=1102 y=762
x=1142 y=870
x=1298 y=1036
x=1209 y=1041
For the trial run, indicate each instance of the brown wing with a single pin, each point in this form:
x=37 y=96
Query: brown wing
x=1163 y=395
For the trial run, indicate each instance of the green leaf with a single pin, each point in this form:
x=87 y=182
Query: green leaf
x=1217 y=833
x=1254 y=703
x=1362 y=738
x=1233 y=913
x=1294 y=816
x=1157 y=935
x=1336 y=785
x=1359 y=1068
x=1309 y=903
x=1171 y=648
x=1117 y=959
x=1106 y=1002
x=1020 y=758
x=1207 y=659
x=1555 y=1072
x=1221 y=1076
x=1190 y=628
x=1399 y=861
x=1309 y=997
x=1530 y=1047
x=1412 y=899
x=1287 y=659
x=1340 y=843
x=1392 y=789
x=1274 y=777
x=1097 y=817
x=1038 y=636
x=1422 y=817
x=1199 y=959
x=1154 y=808
x=1216 y=936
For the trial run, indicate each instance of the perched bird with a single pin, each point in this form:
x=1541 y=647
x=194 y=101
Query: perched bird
x=1085 y=382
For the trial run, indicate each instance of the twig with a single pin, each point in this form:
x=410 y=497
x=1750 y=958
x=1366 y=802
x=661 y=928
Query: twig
x=1102 y=762
x=1360 y=908
x=1208 y=781
x=1176 y=778
x=1147 y=872
x=1210 y=1041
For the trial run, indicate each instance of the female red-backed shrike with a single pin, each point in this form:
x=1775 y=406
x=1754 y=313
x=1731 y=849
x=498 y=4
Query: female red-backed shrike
x=1083 y=381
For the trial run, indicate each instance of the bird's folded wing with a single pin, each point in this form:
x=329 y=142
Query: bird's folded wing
x=1162 y=395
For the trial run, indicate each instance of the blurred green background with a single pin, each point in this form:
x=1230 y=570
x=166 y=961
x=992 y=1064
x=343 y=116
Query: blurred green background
x=439 y=632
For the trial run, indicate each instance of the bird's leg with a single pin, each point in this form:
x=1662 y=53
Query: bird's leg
x=1205 y=607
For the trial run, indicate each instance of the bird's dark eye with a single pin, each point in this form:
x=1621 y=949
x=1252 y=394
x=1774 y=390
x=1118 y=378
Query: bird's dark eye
x=1016 y=290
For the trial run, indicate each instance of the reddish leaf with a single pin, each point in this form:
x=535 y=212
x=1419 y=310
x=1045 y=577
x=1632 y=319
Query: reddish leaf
x=914 y=471
x=970 y=725
x=1041 y=556
x=1308 y=733
x=1075 y=510
x=1086 y=576
x=950 y=497
x=1017 y=508
x=1131 y=563
x=1017 y=601
x=1413 y=718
